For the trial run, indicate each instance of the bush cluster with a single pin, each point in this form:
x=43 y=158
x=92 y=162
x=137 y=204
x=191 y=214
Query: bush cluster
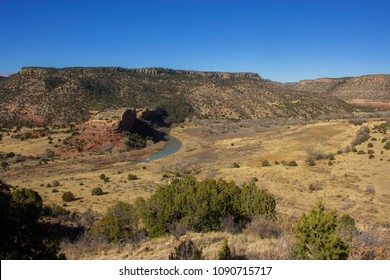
x=322 y=235
x=266 y=163
x=97 y=191
x=131 y=177
x=55 y=211
x=21 y=235
x=68 y=196
x=225 y=253
x=383 y=128
x=134 y=141
x=118 y=225
x=203 y=206
x=292 y=163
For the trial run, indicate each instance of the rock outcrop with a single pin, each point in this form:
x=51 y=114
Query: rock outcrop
x=128 y=119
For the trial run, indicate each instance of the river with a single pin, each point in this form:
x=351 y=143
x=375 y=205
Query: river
x=172 y=146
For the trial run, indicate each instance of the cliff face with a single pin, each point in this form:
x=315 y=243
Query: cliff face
x=372 y=88
x=222 y=75
x=128 y=120
x=66 y=95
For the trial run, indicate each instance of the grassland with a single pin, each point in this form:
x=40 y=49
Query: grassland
x=352 y=183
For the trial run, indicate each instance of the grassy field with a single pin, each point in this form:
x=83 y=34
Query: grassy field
x=352 y=183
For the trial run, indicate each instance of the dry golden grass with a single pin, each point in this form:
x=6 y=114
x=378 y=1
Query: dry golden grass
x=354 y=184
x=241 y=245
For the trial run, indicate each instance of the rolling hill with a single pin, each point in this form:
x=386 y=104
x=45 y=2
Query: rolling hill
x=37 y=95
x=355 y=90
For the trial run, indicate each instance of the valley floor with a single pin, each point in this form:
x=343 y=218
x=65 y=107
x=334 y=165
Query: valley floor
x=352 y=183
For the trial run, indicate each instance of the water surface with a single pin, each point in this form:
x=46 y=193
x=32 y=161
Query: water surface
x=172 y=146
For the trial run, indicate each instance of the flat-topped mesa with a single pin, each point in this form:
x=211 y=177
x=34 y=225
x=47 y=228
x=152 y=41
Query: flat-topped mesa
x=224 y=75
x=39 y=71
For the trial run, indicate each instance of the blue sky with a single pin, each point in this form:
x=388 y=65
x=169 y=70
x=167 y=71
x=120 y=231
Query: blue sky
x=281 y=40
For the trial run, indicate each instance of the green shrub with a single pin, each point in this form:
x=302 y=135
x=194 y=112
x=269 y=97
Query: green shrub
x=29 y=201
x=265 y=163
x=68 y=196
x=21 y=235
x=318 y=236
x=102 y=176
x=361 y=152
x=312 y=162
x=225 y=253
x=347 y=227
x=236 y=165
x=371 y=156
x=387 y=146
x=106 y=179
x=186 y=250
x=354 y=150
x=293 y=163
x=134 y=141
x=10 y=155
x=119 y=224
x=370 y=145
x=370 y=152
x=4 y=165
x=331 y=157
x=202 y=206
x=339 y=152
x=97 y=191
x=276 y=162
x=374 y=139
x=55 y=211
x=132 y=177
x=384 y=127
x=330 y=163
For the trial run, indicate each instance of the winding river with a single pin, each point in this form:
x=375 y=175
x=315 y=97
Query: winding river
x=172 y=146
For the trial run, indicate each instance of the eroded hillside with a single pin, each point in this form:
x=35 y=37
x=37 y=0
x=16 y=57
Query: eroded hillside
x=357 y=90
x=58 y=96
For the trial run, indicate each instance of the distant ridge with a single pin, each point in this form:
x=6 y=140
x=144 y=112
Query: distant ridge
x=370 y=88
x=62 y=95
x=153 y=70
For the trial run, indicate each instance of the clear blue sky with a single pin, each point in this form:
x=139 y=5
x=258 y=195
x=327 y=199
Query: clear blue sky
x=282 y=40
